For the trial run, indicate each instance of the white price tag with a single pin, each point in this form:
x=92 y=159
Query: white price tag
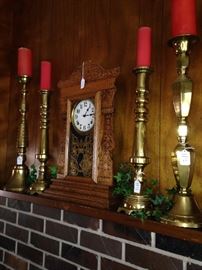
x=83 y=82
x=184 y=158
x=82 y=85
x=137 y=186
x=19 y=160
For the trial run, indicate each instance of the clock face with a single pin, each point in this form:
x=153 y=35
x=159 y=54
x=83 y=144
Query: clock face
x=83 y=115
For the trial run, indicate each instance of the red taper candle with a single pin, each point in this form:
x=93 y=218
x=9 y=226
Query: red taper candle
x=183 y=17
x=144 y=47
x=24 y=62
x=45 y=83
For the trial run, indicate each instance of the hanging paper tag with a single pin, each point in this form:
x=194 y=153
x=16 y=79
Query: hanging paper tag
x=19 y=160
x=82 y=84
x=184 y=158
x=137 y=186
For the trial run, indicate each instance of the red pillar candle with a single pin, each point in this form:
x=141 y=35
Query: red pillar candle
x=45 y=75
x=144 y=47
x=183 y=17
x=24 y=62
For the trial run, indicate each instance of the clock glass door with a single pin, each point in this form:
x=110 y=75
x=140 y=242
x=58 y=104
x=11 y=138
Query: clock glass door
x=81 y=138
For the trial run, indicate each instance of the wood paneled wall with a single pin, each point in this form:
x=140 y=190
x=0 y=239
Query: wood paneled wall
x=67 y=32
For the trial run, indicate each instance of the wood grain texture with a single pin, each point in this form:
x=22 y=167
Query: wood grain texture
x=6 y=20
x=68 y=32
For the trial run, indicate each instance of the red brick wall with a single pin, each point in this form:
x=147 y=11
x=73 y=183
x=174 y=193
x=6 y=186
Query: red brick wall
x=34 y=237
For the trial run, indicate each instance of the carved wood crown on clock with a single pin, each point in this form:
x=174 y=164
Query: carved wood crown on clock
x=85 y=166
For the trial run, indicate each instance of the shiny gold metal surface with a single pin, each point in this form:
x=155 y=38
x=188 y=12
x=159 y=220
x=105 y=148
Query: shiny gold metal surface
x=185 y=212
x=139 y=158
x=134 y=202
x=42 y=181
x=17 y=182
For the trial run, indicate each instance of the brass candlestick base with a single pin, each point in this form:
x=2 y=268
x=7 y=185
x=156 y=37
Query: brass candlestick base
x=185 y=212
x=134 y=202
x=17 y=182
x=139 y=160
x=42 y=181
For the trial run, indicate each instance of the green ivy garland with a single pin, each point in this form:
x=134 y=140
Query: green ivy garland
x=160 y=203
x=32 y=175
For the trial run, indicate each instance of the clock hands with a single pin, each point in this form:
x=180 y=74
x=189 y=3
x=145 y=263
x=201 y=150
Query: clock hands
x=90 y=114
x=86 y=111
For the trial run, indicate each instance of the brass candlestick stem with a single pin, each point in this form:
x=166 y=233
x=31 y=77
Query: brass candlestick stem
x=185 y=212
x=139 y=160
x=17 y=182
x=42 y=180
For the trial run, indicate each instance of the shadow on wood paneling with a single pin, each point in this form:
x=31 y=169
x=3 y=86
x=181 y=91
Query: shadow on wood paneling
x=68 y=32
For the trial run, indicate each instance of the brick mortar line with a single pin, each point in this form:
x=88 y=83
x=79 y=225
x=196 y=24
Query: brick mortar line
x=147 y=247
x=183 y=258
x=24 y=259
x=98 y=263
x=4 y=230
x=97 y=232
x=190 y=261
x=184 y=266
x=7 y=266
x=6 y=203
x=123 y=262
x=3 y=256
x=15 y=210
x=19 y=227
x=100 y=229
x=156 y=250
x=16 y=240
x=153 y=239
x=64 y=260
x=79 y=237
x=121 y=240
x=36 y=265
x=101 y=255
x=31 y=207
x=33 y=231
x=30 y=213
x=62 y=215
x=123 y=255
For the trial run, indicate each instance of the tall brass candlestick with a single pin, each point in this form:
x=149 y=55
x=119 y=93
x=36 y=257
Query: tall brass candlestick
x=185 y=212
x=42 y=180
x=139 y=160
x=17 y=182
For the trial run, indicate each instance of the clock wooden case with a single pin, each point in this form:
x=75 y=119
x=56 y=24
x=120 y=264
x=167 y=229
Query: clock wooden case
x=85 y=165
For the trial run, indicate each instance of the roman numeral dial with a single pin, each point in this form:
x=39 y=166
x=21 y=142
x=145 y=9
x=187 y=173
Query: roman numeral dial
x=83 y=115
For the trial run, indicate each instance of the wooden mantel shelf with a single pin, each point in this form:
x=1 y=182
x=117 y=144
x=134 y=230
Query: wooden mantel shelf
x=193 y=235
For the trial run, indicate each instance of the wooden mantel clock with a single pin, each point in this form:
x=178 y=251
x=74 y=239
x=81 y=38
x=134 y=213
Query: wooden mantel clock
x=87 y=141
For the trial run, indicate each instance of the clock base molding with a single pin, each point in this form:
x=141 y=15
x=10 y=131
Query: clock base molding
x=83 y=193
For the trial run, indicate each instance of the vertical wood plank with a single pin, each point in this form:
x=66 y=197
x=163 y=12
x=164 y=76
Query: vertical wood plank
x=68 y=32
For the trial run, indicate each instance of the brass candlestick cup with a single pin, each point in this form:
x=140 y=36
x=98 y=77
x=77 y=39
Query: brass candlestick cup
x=185 y=212
x=42 y=181
x=17 y=182
x=139 y=160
